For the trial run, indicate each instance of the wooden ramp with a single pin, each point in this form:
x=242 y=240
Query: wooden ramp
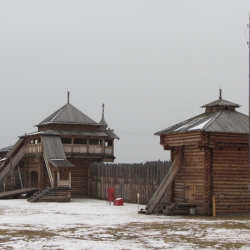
x=13 y=158
x=17 y=193
x=167 y=180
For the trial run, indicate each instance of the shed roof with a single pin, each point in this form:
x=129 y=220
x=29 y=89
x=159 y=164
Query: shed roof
x=68 y=114
x=6 y=149
x=99 y=133
x=111 y=134
x=14 y=147
x=222 y=103
x=54 y=151
x=224 y=121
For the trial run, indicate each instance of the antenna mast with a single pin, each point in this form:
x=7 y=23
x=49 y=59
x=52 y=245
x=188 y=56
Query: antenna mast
x=249 y=84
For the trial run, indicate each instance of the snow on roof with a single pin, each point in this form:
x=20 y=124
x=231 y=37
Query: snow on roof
x=200 y=126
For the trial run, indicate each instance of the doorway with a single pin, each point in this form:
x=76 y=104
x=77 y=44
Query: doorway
x=34 y=179
x=189 y=192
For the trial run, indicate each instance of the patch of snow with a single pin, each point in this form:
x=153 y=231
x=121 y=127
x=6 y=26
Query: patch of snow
x=200 y=126
x=189 y=123
x=92 y=224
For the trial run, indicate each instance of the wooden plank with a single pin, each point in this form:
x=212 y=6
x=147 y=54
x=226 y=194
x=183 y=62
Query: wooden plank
x=17 y=192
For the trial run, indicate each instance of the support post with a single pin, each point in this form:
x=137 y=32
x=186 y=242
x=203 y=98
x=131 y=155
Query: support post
x=249 y=86
x=58 y=178
x=69 y=179
x=138 y=197
x=214 y=206
x=20 y=177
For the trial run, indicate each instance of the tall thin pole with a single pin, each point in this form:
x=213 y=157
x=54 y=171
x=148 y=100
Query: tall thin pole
x=103 y=110
x=249 y=85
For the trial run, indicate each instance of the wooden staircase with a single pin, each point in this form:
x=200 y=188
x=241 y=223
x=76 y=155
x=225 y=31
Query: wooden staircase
x=10 y=163
x=59 y=194
x=51 y=179
x=165 y=183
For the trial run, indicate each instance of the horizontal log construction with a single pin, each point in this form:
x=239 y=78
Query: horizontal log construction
x=79 y=177
x=189 y=181
x=215 y=164
x=231 y=176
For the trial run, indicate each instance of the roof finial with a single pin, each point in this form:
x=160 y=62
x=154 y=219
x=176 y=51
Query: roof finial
x=220 y=94
x=102 y=122
x=68 y=96
x=103 y=110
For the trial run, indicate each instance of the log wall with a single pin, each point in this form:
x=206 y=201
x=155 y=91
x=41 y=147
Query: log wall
x=176 y=140
x=191 y=175
x=30 y=165
x=231 y=176
x=79 y=177
x=127 y=180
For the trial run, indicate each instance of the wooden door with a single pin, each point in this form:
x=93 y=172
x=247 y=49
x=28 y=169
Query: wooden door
x=34 y=179
x=189 y=192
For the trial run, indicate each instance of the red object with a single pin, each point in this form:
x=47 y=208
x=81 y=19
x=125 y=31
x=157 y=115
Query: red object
x=111 y=194
x=118 y=202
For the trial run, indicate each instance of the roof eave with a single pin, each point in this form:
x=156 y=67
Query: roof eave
x=67 y=123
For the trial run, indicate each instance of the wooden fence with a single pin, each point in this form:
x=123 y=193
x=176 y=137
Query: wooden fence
x=127 y=180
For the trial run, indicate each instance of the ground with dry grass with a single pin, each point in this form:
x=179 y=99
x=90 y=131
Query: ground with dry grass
x=91 y=224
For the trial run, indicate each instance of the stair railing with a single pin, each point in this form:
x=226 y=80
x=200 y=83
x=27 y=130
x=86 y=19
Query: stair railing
x=167 y=180
x=11 y=164
x=48 y=169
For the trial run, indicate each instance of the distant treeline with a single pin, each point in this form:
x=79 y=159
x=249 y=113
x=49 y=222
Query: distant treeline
x=127 y=180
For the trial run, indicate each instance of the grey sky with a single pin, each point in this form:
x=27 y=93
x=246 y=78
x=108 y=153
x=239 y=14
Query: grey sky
x=153 y=64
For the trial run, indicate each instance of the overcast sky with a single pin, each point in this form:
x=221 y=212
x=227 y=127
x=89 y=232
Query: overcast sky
x=152 y=63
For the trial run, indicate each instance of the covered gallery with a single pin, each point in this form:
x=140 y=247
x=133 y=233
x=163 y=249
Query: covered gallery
x=58 y=155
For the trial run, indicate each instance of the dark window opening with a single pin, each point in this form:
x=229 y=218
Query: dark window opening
x=66 y=140
x=108 y=143
x=93 y=141
x=64 y=174
x=80 y=141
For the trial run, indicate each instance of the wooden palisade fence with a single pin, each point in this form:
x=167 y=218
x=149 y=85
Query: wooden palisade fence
x=127 y=180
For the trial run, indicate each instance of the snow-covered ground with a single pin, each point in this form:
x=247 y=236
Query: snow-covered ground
x=92 y=224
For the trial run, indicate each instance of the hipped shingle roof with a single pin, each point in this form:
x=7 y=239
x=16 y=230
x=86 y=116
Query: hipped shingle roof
x=68 y=114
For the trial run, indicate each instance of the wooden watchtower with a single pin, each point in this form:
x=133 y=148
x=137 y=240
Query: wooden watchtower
x=58 y=155
x=209 y=155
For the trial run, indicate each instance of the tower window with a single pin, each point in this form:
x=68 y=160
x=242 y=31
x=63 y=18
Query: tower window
x=66 y=140
x=80 y=141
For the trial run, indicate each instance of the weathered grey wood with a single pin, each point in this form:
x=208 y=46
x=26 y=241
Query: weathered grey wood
x=167 y=180
x=8 y=166
x=17 y=192
x=127 y=180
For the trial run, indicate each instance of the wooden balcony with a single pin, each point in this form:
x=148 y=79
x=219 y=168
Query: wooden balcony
x=72 y=149
x=87 y=149
x=33 y=148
